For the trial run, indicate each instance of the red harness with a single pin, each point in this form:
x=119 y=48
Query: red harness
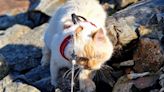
x=66 y=41
x=63 y=45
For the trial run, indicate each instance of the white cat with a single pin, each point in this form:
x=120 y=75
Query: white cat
x=89 y=35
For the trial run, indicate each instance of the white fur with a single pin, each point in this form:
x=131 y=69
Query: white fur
x=55 y=33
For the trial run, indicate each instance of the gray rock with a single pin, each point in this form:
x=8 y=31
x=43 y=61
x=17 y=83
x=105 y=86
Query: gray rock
x=161 y=80
x=122 y=25
x=125 y=85
x=161 y=90
x=127 y=63
x=19 y=87
x=4 y=69
x=6 y=81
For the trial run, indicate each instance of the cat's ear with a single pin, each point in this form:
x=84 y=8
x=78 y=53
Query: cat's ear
x=78 y=30
x=98 y=36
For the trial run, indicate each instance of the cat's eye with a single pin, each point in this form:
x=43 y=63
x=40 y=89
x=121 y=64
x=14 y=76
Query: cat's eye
x=66 y=26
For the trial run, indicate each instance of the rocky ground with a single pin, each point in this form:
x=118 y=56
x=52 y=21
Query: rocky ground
x=135 y=28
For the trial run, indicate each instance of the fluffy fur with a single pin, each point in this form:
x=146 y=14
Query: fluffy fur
x=91 y=42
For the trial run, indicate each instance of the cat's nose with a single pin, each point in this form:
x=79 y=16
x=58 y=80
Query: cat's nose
x=78 y=29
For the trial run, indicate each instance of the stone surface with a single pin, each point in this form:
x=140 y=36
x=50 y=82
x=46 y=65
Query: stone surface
x=49 y=6
x=4 y=69
x=148 y=56
x=13 y=34
x=31 y=19
x=124 y=3
x=123 y=84
x=127 y=63
x=6 y=85
x=20 y=39
x=20 y=87
x=13 y=7
x=6 y=81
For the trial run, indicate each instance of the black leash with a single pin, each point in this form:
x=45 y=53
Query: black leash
x=77 y=18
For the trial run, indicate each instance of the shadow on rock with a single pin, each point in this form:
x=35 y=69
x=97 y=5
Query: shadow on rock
x=25 y=68
x=31 y=19
x=21 y=58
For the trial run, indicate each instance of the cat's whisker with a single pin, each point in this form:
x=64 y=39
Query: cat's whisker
x=77 y=74
x=66 y=73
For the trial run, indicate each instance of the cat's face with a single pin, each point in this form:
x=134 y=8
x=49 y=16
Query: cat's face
x=92 y=46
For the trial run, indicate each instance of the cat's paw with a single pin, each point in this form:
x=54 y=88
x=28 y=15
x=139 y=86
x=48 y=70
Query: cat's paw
x=87 y=85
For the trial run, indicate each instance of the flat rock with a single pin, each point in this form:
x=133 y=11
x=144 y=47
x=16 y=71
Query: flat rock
x=123 y=84
x=148 y=56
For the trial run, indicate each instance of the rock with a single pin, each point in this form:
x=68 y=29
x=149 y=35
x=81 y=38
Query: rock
x=6 y=21
x=125 y=85
x=36 y=74
x=12 y=34
x=49 y=6
x=161 y=90
x=19 y=87
x=31 y=19
x=13 y=7
x=21 y=47
x=148 y=56
x=146 y=82
x=161 y=80
x=6 y=81
x=4 y=69
x=124 y=3
x=120 y=31
x=131 y=19
x=127 y=63
x=44 y=85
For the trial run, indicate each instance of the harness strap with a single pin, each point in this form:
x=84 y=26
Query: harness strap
x=63 y=46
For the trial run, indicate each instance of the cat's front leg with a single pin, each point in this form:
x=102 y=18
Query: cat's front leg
x=86 y=83
x=54 y=70
x=46 y=56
